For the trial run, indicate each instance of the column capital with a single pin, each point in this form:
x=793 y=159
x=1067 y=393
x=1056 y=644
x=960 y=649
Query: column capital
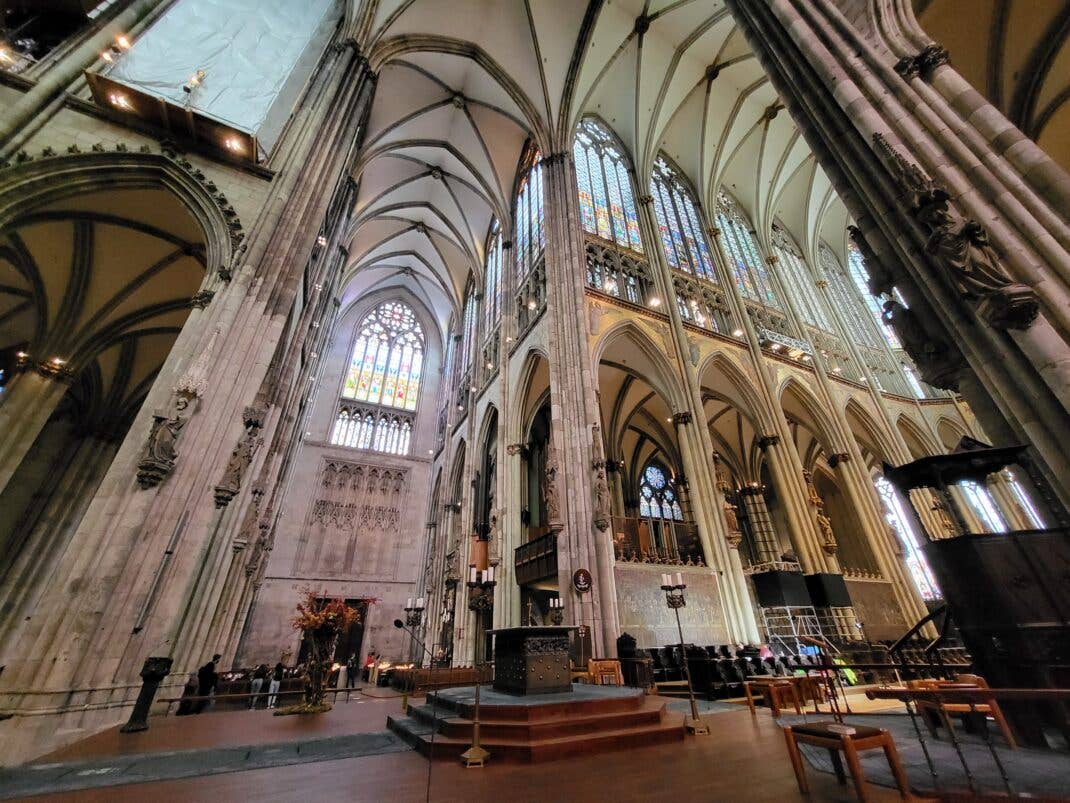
x=682 y=418
x=837 y=458
x=765 y=441
x=645 y=200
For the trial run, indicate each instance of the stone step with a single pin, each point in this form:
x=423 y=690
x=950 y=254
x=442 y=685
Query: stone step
x=581 y=722
x=668 y=727
x=589 y=699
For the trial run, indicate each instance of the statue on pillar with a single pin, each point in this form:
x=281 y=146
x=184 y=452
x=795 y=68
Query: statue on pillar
x=602 y=511
x=549 y=488
x=828 y=538
x=160 y=455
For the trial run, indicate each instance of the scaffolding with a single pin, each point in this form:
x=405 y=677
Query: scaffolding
x=791 y=626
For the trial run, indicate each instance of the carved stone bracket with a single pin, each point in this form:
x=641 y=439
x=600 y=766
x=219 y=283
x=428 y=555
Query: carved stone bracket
x=682 y=418
x=924 y=63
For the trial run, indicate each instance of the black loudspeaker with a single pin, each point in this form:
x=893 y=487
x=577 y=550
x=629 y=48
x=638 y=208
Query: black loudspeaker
x=828 y=590
x=780 y=589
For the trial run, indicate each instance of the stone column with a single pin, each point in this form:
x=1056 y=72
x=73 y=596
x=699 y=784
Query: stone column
x=574 y=410
x=31 y=398
x=82 y=633
x=867 y=126
x=696 y=446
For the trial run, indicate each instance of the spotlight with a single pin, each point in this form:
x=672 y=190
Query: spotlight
x=489 y=365
x=5 y=56
x=119 y=100
x=233 y=144
x=194 y=81
x=58 y=361
x=655 y=302
x=123 y=42
x=321 y=241
x=532 y=304
x=737 y=333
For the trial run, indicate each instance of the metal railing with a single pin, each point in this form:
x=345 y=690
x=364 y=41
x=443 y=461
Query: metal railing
x=660 y=541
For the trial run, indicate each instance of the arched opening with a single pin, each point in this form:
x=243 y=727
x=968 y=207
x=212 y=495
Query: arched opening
x=95 y=287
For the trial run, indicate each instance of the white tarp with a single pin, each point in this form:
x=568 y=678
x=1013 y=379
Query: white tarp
x=256 y=54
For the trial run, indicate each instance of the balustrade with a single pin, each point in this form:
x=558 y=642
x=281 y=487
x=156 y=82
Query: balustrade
x=622 y=275
x=653 y=540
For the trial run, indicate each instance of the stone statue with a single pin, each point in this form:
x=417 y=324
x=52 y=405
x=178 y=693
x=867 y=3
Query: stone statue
x=602 y=509
x=160 y=451
x=960 y=246
x=240 y=457
x=549 y=489
x=494 y=540
x=731 y=520
x=824 y=524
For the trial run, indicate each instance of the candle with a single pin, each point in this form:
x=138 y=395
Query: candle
x=420 y=603
x=472 y=574
x=665 y=580
x=679 y=579
x=409 y=603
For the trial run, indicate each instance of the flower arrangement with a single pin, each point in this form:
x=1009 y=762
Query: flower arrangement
x=321 y=619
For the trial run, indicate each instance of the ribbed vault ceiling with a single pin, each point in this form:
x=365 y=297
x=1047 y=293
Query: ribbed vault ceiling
x=465 y=85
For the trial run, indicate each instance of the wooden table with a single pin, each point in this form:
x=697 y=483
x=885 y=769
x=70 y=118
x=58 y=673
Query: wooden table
x=806 y=687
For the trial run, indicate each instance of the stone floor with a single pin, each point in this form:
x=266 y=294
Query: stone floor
x=347 y=754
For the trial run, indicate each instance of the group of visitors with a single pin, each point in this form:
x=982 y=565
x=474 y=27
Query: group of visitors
x=200 y=689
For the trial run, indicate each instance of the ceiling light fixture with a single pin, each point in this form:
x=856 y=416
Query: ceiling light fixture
x=737 y=333
x=123 y=42
x=655 y=302
x=233 y=144
x=119 y=100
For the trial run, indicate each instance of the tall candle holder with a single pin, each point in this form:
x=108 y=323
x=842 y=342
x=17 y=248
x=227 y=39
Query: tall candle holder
x=481 y=584
x=673 y=585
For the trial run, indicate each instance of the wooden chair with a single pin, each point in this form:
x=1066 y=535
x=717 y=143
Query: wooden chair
x=605 y=672
x=944 y=710
x=779 y=692
x=830 y=736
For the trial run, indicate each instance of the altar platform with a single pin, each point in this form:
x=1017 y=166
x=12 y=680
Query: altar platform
x=535 y=728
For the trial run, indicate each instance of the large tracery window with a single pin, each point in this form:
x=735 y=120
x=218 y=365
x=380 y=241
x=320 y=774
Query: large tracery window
x=492 y=285
x=464 y=357
x=748 y=267
x=657 y=494
x=797 y=273
x=382 y=385
x=895 y=514
x=607 y=202
x=530 y=235
x=856 y=318
x=387 y=358
x=860 y=276
x=678 y=222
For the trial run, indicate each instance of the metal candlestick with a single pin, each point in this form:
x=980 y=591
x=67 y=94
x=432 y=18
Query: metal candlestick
x=674 y=598
x=481 y=597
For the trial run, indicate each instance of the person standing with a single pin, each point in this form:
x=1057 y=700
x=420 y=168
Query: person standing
x=273 y=685
x=352 y=671
x=259 y=675
x=207 y=679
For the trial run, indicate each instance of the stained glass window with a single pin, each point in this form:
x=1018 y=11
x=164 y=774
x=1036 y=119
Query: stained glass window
x=492 y=285
x=681 y=235
x=607 y=200
x=796 y=276
x=896 y=516
x=387 y=358
x=464 y=357
x=657 y=494
x=860 y=275
x=530 y=237
x=741 y=250
x=857 y=319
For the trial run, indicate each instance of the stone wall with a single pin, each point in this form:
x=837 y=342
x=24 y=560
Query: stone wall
x=644 y=614
x=877 y=609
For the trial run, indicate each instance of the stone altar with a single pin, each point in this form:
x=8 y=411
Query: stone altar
x=531 y=660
